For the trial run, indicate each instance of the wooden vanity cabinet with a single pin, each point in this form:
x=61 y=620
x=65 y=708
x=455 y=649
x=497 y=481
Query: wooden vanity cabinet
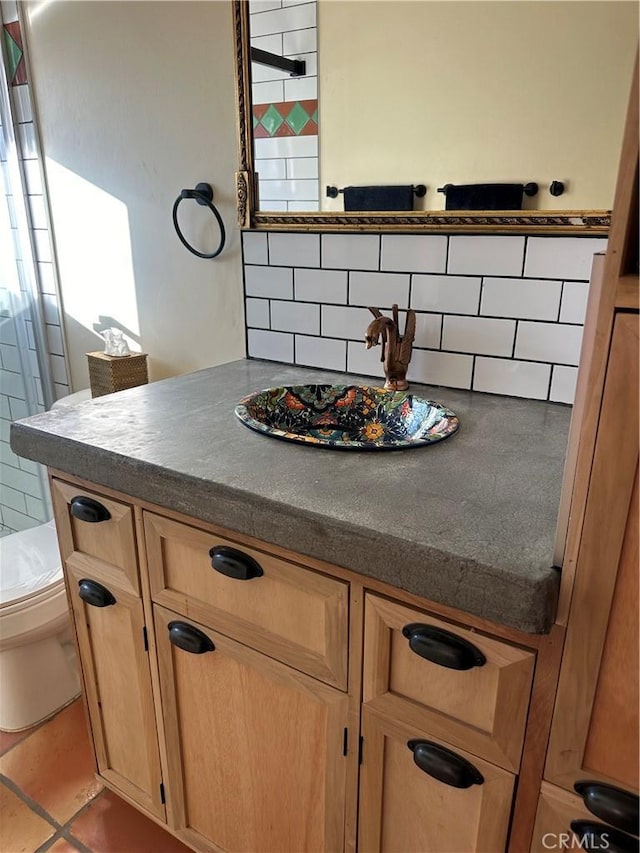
x=255 y=749
x=97 y=544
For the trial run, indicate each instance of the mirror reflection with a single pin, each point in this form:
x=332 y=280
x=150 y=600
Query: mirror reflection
x=440 y=93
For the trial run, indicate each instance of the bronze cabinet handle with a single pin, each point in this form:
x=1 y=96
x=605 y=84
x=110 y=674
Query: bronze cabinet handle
x=442 y=647
x=94 y=593
x=184 y=636
x=611 y=804
x=234 y=563
x=88 y=509
x=444 y=765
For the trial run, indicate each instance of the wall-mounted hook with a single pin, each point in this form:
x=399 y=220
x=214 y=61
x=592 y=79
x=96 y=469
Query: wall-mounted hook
x=556 y=188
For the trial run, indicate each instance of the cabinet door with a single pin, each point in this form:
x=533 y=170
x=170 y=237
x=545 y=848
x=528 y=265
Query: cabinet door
x=594 y=735
x=255 y=749
x=115 y=664
x=403 y=807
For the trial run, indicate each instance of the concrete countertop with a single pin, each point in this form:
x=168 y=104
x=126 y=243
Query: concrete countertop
x=468 y=522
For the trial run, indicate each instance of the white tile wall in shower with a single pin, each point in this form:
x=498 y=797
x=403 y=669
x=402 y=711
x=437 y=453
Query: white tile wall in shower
x=413 y=253
x=495 y=332
x=451 y=293
x=378 y=289
x=551 y=342
x=492 y=255
x=562 y=257
x=301 y=250
x=321 y=352
x=532 y=299
x=298 y=17
x=351 y=251
x=257 y=313
x=299 y=42
x=286 y=146
x=271 y=170
x=516 y=378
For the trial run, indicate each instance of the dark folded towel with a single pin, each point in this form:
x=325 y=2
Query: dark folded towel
x=484 y=197
x=378 y=198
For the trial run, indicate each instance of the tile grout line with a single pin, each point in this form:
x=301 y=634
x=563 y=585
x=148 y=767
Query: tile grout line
x=28 y=801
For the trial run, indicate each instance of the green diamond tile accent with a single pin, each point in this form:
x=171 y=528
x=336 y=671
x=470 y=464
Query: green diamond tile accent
x=271 y=120
x=314 y=117
x=14 y=54
x=297 y=118
x=255 y=122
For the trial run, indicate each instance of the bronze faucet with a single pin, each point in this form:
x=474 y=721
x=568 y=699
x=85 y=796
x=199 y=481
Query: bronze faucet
x=396 y=348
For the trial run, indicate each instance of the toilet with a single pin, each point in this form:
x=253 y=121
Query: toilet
x=38 y=667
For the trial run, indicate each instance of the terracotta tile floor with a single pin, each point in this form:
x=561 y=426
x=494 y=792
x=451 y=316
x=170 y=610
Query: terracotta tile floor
x=50 y=799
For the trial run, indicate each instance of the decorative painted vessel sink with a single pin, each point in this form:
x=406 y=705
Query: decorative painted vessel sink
x=348 y=417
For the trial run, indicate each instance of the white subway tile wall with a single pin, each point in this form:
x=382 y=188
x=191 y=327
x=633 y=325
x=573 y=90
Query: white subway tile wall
x=287 y=166
x=483 y=322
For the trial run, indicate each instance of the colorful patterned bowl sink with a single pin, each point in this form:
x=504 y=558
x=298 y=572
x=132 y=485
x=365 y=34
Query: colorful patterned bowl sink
x=348 y=417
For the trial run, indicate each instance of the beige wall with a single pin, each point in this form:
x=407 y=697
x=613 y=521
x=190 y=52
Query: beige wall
x=463 y=92
x=136 y=101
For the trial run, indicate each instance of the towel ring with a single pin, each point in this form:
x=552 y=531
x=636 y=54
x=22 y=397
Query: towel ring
x=203 y=194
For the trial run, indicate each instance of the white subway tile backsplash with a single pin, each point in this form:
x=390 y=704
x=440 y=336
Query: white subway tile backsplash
x=273 y=206
x=47 y=279
x=302 y=317
x=551 y=342
x=365 y=361
x=494 y=255
x=273 y=282
x=562 y=257
x=528 y=299
x=321 y=352
x=273 y=346
x=54 y=339
x=351 y=251
x=441 y=368
x=301 y=88
x=296 y=250
x=302 y=167
x=27 y=140
x=563 y=384
x=479 y=335
x=515 y=378
x=320 y=285
x=286 y=190
x=38 y=211
x=32 y=176
x=22 y=103
x=271 y=170
x=299 y=41
x=267 y=93
x=254 y=248
x=286 y=146
x=413 y=253
x=428 y=330
x=379 y=289
x=257 y=313
x=51 y=310
x=59 y=369
x=302 y=206
x=281 y=20
x=339 y=322
x=263 y=6
x=271 y=43
x=451 y=293
x=574 y=301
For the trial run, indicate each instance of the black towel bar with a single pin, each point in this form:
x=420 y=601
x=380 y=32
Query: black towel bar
x=529 y=189
x=419 y=190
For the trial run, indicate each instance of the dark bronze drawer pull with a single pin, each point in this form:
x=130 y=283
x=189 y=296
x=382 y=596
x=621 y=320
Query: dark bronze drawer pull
x=611 y=804
x=94 y=593
x=189 y=639
x=234 y=563
x=444 y=765
x=86 y=509
x=442 y=647
x=597 y=836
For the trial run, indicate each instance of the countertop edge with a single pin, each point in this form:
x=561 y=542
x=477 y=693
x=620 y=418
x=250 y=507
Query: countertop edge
x=526 y=604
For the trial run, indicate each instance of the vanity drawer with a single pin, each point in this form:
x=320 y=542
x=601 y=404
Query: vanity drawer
x=96 y=535
x=409 y=674
x=288 y=612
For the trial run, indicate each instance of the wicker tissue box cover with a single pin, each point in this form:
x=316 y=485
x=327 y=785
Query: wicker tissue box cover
x=109 y=373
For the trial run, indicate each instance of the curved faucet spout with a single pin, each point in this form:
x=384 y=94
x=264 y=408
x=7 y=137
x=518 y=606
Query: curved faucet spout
x=396 y=348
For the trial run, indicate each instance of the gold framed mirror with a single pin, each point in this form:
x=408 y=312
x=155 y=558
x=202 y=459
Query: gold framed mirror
x=560 y=221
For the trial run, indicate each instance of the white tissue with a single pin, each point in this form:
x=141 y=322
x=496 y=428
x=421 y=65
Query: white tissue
x=115 y=343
